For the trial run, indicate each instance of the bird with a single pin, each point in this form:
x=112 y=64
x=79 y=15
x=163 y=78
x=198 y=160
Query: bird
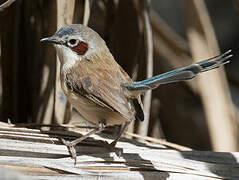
x=98 y=87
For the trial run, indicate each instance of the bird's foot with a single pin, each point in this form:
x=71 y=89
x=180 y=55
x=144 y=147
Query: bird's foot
x=111 y=147
x=118 y=151
x=71 y=149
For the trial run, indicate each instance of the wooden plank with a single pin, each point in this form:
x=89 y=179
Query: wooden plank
x=40 y=154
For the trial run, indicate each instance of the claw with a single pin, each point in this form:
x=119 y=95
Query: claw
x=118 y=151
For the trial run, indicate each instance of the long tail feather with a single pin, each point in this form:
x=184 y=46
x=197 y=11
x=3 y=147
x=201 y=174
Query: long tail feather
x=180 y=74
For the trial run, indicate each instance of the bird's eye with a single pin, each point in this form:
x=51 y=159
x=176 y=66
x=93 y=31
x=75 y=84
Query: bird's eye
x=72 y=42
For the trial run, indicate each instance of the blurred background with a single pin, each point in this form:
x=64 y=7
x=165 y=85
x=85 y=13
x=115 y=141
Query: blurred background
x=146 y=38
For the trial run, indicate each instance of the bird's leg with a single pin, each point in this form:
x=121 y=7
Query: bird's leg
x=70 y=145
x=120 y=133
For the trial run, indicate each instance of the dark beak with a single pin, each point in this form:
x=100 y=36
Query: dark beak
x=52 y=39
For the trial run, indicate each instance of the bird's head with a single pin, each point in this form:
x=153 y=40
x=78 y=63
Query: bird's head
x=75 y=42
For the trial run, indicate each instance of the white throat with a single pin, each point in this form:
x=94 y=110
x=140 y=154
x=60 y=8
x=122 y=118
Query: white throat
x=66 y=56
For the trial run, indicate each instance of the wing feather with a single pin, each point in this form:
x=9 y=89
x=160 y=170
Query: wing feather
x=100 y=82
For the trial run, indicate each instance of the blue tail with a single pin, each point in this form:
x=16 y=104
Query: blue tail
x=180 y=74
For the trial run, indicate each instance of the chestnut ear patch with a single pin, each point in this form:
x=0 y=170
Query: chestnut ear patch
x=81 y=48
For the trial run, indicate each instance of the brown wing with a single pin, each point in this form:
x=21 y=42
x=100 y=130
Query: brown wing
x=99 y=81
